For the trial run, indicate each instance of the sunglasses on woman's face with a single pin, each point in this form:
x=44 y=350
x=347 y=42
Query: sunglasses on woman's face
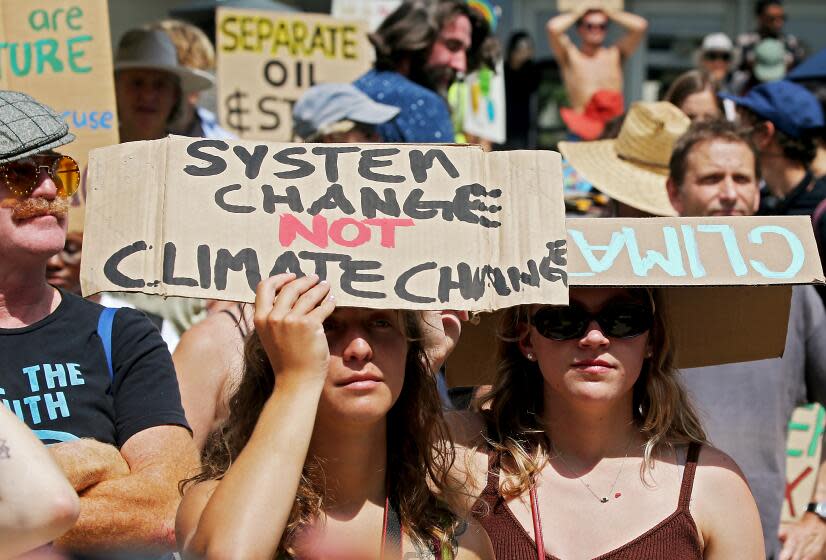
x=717 y=55
x=21 y=177
x=620 y=319
x=595 y=26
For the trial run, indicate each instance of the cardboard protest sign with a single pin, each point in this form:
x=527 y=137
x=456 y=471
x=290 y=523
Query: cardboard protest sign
x=389 y=226
x=484 y=104
x=59 y=52
x=803 y=450
x=754 y=250
x=371 y=11
x=266 y=60
x=727 y=281
x=574 y=5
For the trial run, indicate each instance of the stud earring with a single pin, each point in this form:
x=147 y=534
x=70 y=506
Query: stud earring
x=530 y=357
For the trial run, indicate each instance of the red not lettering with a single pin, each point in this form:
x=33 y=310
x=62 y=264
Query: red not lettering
x=337 y=232
x=322 y=233
x=290 y=226
x=388 y=228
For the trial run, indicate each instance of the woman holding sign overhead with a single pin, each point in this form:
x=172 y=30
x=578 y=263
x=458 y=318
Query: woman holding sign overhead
x=591 y=447
x=334 y=435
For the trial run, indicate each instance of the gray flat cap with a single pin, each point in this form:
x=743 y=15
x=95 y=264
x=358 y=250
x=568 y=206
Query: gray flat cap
x=326 y=104
x=28 y=127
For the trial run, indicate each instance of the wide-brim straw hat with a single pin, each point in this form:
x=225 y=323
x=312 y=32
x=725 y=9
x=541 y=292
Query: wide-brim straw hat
x=633 y=168
x=154 y=50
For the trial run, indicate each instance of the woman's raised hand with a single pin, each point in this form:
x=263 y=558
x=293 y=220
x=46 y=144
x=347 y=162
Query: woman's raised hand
x=440 y=334
x=289 y=318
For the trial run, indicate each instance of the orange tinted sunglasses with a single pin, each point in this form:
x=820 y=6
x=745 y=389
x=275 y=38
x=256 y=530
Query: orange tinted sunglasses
x=21 y=177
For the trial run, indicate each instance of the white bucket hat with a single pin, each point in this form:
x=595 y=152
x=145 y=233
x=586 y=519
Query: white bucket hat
x=153 y=50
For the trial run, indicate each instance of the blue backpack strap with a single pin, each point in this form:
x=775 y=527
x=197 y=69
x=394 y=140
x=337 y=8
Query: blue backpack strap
x=107 y=317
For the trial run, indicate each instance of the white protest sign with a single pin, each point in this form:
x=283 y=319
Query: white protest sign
x=574 y=5
x=484 y=104
x=390 y=226
x=266 y=60
x=803 y=450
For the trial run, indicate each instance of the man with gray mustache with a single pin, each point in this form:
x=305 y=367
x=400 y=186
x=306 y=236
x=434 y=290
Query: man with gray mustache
x=98 y=386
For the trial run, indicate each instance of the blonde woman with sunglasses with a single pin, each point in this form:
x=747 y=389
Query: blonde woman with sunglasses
x=591 y=448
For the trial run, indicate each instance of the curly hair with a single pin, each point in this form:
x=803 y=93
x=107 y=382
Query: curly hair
x=410 y=31
x=194 y=48
x=661 y=407
x=419 y=449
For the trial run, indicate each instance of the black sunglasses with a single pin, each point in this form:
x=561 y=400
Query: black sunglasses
x=620 y=319
x=717 y=55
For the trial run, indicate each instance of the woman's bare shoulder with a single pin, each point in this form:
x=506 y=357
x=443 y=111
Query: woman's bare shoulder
x=723 y=506
x=467 y=427
x=715 y=466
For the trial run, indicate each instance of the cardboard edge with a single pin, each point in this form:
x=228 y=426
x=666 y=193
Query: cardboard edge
x=161 y=217
x=88 y=285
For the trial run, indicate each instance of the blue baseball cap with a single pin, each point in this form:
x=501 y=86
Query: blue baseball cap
x=813 y=68
x=326 y=104
x=789 y=106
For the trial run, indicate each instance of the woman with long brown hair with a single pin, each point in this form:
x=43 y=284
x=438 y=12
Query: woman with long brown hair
x=335 y=446
x=695 y=94
x=591 y=447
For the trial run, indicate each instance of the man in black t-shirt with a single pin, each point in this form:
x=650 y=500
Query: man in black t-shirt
x=104 y=397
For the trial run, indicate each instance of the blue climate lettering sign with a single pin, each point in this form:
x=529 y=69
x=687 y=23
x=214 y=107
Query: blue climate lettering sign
x=688 y=251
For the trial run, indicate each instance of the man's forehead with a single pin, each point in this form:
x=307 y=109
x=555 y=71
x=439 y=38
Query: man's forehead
x=717 y=151
x=458 y=25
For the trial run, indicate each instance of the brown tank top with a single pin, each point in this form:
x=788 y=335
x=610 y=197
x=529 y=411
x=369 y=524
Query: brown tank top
x=673 y=538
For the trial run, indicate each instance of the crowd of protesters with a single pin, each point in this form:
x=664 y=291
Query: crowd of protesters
x=215 y=429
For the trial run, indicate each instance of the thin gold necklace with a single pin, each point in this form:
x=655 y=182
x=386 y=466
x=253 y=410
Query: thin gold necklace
x=603 y=499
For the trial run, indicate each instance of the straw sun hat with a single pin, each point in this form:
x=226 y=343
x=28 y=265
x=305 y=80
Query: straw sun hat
x=633 y=168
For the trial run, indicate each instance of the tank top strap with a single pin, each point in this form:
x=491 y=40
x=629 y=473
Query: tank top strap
x=688 y=474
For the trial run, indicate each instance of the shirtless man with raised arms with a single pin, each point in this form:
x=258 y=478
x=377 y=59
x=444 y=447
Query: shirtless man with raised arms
x=593 y=66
